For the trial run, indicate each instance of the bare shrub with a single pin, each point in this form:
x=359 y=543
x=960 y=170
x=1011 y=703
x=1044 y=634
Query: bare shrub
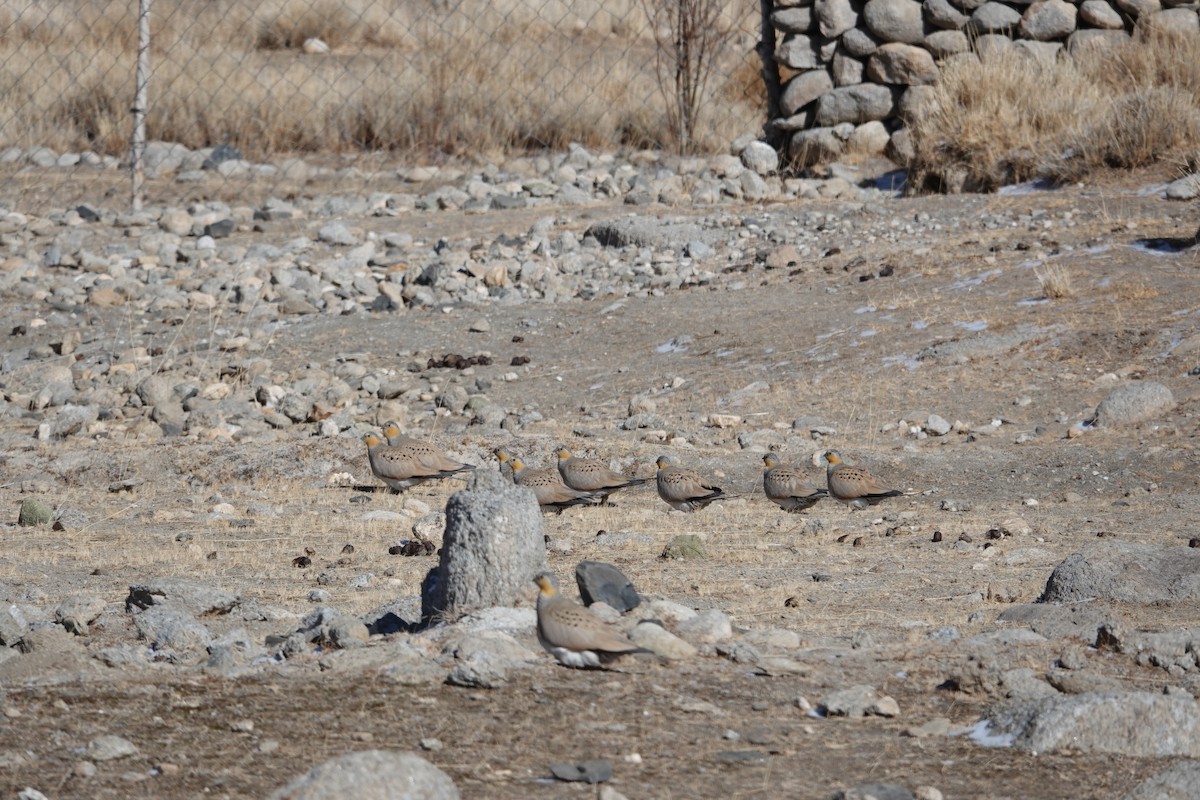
x=690 y=36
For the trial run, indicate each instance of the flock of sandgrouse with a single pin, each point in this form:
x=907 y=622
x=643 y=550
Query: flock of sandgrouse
x=402 y=462
x=567 y=630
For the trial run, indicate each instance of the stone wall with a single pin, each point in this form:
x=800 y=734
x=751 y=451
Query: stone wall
x=861 y=68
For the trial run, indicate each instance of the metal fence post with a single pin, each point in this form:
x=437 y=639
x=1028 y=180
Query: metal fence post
x=137 y=155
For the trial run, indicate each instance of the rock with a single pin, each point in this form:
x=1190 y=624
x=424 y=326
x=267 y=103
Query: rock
x=601 y=582
x=685 y=546
x=895 y=20
x=870 y=137
x=858 y=43
x=1125 y=572
x=1108 y=722
x=846 y=71
x=372 y=775
x=937 y=426
x=13 y=626
x=1185 y=188
x=592 y=771
x=1084 y=682
x=233 y=649
x=187 y=595
x=314 y=47
x=760 y=157
x=1176 y=21
x=1134 y=403
x=1054 y=621
x=33 y=513
x=337 y=233
x=834 y=17
x=885 y=706
x=814 y=146
x=856 y=104
x=492 y=548
x=78 y=611
x=800 y=51
x=1086 y=38
x=70 y=419
x=1045 y=53
x=1139 y=8
x=1180 y=781
x=943 y=44
x=480 y=672
x=875 y=791
x=661 y=642
x=941 y=14
x=994 y=17
x=110 y=747
x=648 y=232
x=1047 y=20
x=346 y=631
x=905 y=64
x=171 y=629
x=707 y=627
x=851 y=702
x=792 y=20
x=1099 y=14
x=803 y=89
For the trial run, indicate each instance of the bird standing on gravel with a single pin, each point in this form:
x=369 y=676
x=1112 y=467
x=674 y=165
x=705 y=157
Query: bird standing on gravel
x=410 y=462
x=547 y=485
x=854 y=486
x=505 y=459
x=572 y=633
x=788 y=487
x=589 y=475
x=684 y=489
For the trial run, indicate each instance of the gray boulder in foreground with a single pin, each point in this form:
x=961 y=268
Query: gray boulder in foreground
x=372 y=775
x=1140 y=724
x=1177 y=782
x=1126 y=573
x=492 y=548
x=1134 y=403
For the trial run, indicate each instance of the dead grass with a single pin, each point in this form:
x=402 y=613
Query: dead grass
x=1055 y=281
x=1007 y=118
x=468 y=78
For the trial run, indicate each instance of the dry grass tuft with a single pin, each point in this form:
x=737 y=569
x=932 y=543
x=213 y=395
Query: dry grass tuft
x=1008 y=118
x=1055 y=281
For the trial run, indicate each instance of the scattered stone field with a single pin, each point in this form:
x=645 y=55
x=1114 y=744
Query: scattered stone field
x=209 y=594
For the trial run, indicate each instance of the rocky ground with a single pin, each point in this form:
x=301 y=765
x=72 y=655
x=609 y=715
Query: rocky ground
x=216 y=600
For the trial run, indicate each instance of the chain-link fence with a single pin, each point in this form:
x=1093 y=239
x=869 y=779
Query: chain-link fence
x=286 y=90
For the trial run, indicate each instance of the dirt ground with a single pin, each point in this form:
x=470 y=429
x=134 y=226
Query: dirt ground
x=957 y=329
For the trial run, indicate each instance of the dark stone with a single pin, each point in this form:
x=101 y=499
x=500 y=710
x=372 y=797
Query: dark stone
x=601 y=582
x=220 y=229
x=596 y=770
x=221 y=153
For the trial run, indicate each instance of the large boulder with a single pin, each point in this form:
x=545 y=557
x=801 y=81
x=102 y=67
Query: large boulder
x=1138 y=724
x=1134 y=403
x=1126 y=572
x=492 y=548
x=372 y=775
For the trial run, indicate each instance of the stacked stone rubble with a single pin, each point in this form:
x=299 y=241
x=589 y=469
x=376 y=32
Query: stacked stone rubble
x=861 y=69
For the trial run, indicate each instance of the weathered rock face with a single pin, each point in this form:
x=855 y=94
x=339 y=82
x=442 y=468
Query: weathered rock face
x=1126 y=572
x=372 y=774
x=492 y=548
x=1103 y=722
x=838 y=46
